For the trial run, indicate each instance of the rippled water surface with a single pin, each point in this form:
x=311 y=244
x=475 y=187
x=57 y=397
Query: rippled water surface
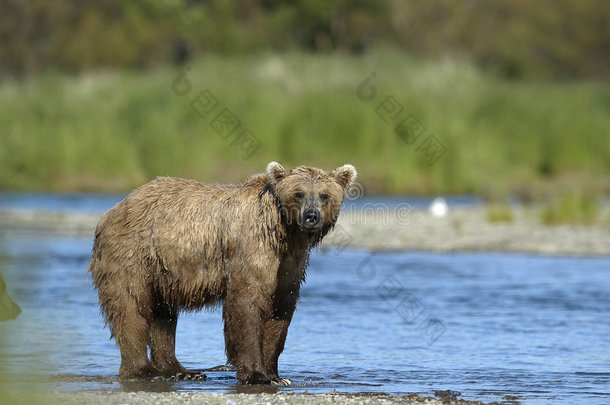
x=486 y=325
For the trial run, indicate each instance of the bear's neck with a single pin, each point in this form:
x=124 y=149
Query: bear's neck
x=298 y=239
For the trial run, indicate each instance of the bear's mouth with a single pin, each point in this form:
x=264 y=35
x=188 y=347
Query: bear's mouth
x=311 y=228
x=311 y=220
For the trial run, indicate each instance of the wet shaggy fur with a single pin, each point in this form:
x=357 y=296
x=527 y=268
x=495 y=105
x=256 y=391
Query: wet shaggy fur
x=174 y=245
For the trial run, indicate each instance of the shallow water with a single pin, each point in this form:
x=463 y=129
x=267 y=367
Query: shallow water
x=485 y=325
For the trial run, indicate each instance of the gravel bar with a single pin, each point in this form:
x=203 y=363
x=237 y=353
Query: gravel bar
x=462 y=229
x=190 y=398
x=468 y=229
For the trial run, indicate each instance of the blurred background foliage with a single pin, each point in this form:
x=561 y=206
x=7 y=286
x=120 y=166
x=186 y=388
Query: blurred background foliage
x=516 y=91
x=515 y=38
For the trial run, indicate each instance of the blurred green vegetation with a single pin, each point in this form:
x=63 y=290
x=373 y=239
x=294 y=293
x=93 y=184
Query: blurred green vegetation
x=112 y=130
x=575 y=208
x=515 y=38
x=499 y=213
x=516 y=92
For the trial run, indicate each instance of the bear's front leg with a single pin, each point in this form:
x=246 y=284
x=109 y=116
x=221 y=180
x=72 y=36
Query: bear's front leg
x=243 y=316
x=276 y=325
x=276 y=330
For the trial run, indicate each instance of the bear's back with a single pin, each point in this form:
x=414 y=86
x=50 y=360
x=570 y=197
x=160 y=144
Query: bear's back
x=185 y=225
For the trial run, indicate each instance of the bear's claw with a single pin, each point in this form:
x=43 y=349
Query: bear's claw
x=189 y=376
x=282 y=382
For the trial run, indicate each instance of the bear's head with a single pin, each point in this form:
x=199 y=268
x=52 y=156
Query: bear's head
x=309 y=197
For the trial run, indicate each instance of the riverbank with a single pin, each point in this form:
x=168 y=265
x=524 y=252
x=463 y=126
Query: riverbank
x=469 y=229
x=466 y=228
x=192 y=398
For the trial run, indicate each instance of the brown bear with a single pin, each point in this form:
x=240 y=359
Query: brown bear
x=178 y=245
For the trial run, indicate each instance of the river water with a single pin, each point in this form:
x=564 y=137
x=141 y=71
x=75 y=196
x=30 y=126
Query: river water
x=484 y=325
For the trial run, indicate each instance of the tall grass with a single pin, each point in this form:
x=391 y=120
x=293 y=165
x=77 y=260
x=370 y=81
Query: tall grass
x=575 y=208
x=112 y=130
x=498 y=213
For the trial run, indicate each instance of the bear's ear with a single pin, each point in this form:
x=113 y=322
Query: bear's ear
x=276 y=171
x=345 y=175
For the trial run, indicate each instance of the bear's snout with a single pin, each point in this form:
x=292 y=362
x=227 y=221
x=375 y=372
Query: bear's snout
x=311 y=219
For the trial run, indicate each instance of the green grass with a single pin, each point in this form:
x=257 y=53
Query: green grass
x=500 y=213
x=115 y=130
x=574 y=208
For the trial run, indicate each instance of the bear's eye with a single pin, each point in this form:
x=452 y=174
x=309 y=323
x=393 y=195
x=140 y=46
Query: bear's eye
x=299 y=194
x=324 y=197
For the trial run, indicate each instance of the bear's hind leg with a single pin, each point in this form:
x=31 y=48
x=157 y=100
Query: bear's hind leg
x=244 y=336
x=131 y=333
x=163 y=349
x=163 y=343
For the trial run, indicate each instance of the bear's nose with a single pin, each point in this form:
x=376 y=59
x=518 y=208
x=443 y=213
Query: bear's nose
x=312 y=217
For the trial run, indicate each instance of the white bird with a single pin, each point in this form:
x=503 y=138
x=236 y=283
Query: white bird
x=439 y=207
